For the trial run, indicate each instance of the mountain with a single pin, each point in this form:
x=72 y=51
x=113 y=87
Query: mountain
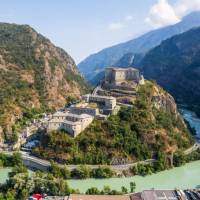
x=35 y=75
x=153 y=126
x=96 y=63
x=175 y=65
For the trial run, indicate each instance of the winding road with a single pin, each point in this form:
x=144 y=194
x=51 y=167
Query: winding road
x=37 y=163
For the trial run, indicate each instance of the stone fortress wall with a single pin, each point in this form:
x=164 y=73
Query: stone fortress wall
x=71 y=123
x=75 y=119
x=122 y=78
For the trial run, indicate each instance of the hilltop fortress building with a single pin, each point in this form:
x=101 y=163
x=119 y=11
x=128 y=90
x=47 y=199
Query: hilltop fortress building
x=122 y=78
x=120 y=85
x=77 y=118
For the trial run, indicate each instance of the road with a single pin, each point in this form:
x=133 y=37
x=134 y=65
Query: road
x=41 y=164
x=27 y=156
x=96 y=90
x=193 y=148
x=46 y=164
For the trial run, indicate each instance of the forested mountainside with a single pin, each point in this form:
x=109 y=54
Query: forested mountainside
x=175 y=65
x=152 y=126
x=35 y=75
x=96 y=63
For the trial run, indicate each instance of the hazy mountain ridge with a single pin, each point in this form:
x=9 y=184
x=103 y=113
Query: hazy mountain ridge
x=95 y=63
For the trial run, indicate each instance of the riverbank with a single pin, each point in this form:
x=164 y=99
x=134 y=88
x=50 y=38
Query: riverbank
x=187 y=176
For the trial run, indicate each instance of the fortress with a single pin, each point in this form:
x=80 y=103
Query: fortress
x=119 y=86
x=122 y=78
x=78 y=117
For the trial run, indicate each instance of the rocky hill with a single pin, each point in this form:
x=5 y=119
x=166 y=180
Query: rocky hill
x=96 y=63
x=175 y=65
x=35 y=75
x=152 y=126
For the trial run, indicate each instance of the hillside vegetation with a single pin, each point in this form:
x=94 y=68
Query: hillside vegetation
x=35 y=75
x=153 y=126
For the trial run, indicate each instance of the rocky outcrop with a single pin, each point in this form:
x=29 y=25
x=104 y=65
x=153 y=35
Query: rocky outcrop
x=163 y=100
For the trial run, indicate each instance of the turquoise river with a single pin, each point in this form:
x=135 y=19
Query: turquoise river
x=187 y=176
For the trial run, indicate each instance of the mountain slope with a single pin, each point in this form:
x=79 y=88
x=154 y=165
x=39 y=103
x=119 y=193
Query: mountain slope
x=34 y=74
x=97 y=62
x=175 y=65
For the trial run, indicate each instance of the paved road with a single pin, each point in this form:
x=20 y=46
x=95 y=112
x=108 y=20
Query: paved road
x=193 y=148
x=96 y=90
x=27 y=157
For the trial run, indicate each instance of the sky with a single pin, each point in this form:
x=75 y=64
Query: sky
x=83 y=27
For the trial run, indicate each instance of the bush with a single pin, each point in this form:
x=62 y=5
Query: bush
x=102 y=172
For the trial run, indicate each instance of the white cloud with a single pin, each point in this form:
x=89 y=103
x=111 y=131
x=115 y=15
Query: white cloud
x=115 y=26
x=161 y=14
x=183 y=7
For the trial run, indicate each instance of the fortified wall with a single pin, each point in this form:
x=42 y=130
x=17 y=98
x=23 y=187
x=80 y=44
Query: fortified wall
x=122 y=78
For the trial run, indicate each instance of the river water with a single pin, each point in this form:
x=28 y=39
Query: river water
x=187 y=176
x=193 y=120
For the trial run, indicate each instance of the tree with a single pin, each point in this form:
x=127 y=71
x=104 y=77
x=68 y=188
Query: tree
x=81 y=172
x=17 y=158
x=93 y=190
x=106 y=189
x=124 y=190
x=132 y=186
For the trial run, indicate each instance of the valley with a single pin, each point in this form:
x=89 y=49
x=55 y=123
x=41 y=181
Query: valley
x=124 y=120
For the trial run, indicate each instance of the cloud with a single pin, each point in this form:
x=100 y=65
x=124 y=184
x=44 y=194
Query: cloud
x=162 y=14
x=121 y=24
x=184 y=7
x=115 y=26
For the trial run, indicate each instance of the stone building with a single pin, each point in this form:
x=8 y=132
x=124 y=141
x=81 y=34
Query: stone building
x=71 y=123
x=118 y=75
x=84 y=110
x=105 y=102
x=122 y=78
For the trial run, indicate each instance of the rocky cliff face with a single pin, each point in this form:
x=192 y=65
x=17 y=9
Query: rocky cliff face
x=163 y=101
x=34 y=74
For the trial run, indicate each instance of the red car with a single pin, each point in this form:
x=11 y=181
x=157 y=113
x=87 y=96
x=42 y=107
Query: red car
x=36 y=197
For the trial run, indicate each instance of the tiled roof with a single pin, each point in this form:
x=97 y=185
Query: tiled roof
x=99 y=197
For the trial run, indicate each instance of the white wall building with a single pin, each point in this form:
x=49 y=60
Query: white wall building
x=71 y=123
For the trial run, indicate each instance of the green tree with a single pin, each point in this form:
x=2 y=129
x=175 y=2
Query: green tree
x=124 y=190
x=106 y=189
x=132 y=186
x=93 y=190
